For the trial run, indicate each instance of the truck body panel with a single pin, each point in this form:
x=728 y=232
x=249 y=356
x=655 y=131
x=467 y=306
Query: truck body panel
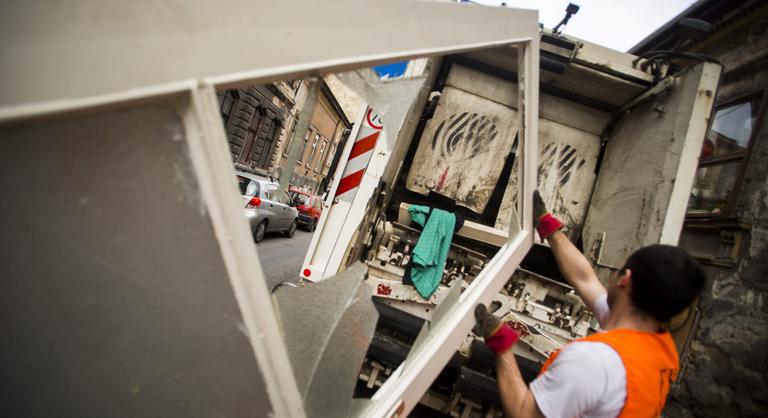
x=605 y=133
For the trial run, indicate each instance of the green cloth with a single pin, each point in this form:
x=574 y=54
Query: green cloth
x=431 y=251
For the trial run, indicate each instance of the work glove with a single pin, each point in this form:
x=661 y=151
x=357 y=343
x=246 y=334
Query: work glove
x=498 y=335
x=546 y=224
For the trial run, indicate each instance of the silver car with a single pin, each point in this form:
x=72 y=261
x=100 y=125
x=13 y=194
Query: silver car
x=266 y=206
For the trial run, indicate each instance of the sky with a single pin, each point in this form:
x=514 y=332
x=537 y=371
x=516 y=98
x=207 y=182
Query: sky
x=617 y=24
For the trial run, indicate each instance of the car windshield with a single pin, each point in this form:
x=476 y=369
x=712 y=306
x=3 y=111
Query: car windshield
x=300 y=198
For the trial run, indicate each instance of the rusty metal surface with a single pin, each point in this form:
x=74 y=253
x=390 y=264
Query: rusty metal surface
x=327 y=328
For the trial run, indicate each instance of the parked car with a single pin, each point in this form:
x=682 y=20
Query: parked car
x=267 y=207
x=309 y=206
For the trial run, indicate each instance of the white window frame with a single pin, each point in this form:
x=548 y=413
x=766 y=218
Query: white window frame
x=314 y=148
x=189 y=56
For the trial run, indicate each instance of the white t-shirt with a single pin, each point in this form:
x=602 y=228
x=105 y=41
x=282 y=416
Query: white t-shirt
x=587 y=379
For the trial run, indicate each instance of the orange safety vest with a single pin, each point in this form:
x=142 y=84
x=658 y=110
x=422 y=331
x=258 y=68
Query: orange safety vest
x=650 y=363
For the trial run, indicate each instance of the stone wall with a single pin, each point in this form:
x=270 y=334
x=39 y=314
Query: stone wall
x=255 y=119
x=725 y=363
x=300 y=91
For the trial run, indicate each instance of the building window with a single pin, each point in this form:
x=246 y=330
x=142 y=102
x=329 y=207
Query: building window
x=331 y=153
x=723 y=159
x=320 y=160
x=314 y=148
x=289 y=138
x=226 y=101
x=304 y=148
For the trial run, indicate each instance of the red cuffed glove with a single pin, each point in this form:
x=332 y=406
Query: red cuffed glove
x=546 y=223
x=498 y=335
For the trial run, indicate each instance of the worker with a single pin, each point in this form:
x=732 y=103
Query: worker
x=626 y=368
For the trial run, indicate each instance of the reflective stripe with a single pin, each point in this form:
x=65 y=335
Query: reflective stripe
x=360 y=155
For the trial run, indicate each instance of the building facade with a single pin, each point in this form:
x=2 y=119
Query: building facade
x=723 y=340
x=258 y=120
x=327 y=130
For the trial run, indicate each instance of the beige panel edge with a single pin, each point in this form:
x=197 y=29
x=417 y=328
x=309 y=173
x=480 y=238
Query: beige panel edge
x=91 y=48
x=473 y=230
x=692 y=143
x=210 y=156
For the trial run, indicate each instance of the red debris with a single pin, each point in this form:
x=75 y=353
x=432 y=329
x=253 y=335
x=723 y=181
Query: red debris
x=383 y=290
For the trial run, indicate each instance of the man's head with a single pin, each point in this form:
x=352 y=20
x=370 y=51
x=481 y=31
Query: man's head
x=659 y=281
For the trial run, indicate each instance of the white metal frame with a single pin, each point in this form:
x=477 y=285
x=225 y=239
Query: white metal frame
x=410 y=381
x=689 y=161
x=71 y=58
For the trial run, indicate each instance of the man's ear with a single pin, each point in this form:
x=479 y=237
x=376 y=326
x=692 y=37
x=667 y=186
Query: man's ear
x=625 y=279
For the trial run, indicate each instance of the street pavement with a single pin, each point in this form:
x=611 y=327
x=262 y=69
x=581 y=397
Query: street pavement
x=281 y=257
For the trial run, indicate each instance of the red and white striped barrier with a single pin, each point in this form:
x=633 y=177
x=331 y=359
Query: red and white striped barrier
x=360 y=155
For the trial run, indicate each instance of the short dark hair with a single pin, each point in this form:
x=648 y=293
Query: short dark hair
x=665 y=280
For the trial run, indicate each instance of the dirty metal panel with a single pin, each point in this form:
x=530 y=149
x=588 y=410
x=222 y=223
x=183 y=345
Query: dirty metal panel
x=577 y=79
x=646 y=176
x=595 y=56
x=483 y=84
x=463 y=148
x=102 y=311
x=573 y=115
x=567 y=159
x=611 y=60
x=554 y=108
x=187 y=41
x=327 y=328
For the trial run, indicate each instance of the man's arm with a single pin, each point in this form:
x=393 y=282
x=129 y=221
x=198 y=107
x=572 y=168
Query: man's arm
x=516 y=399
x=571 y=262
x=576 y=269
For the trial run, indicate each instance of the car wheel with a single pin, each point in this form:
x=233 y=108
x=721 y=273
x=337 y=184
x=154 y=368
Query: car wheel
x=313 y=226
x=260 y=231
x=291 y=229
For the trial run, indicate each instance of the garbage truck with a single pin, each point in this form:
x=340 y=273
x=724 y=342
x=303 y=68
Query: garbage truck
x=131 y=283
x=618 y=141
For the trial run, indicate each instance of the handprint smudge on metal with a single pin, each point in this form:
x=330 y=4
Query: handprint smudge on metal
x=466 y=134
x=462 y=149
x=565 y=156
